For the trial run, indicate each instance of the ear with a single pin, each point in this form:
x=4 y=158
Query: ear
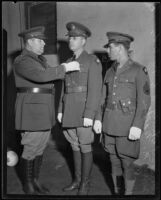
x=29 y=41
x=84 y=41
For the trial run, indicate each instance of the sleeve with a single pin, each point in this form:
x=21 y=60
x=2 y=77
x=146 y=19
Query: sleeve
x=94 y=86
x=143 y=99
x=60 y=108
x=29 y=69
x=102 y=101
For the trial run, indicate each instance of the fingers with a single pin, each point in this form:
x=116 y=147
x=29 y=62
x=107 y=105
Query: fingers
x=87 y=122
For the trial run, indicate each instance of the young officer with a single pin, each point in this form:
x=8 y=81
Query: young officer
x=125 y=100
x=78 y=105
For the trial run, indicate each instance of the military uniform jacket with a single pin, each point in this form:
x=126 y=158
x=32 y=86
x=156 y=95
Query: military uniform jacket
x=78 y=105
x=34 y=111
x=126 y=98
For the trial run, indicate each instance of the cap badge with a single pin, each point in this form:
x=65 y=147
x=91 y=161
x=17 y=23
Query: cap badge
x=73 y=27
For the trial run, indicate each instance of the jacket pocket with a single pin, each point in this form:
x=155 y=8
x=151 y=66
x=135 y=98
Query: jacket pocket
x=128 y=106
x=126 y=79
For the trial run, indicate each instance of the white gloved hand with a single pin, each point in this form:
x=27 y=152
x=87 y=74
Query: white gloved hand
x=135 y=133
x=59 y=117
x=97 y=127
x=87 y=122
x=71 y=66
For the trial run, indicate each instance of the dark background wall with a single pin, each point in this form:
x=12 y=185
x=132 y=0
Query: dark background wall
x=136 y=19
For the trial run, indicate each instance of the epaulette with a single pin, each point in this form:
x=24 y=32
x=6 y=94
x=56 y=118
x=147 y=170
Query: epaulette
x=19 y=58
x=140 y=66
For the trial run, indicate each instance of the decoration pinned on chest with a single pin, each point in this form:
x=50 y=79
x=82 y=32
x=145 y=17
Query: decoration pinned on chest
x=97 y=60
x=145 y=70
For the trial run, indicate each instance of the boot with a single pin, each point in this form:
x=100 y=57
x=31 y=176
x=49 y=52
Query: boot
x=87 y=161
x=129 y=185
x=77 y=167
x=118 y=184
x=26 y=167
x=36 y=169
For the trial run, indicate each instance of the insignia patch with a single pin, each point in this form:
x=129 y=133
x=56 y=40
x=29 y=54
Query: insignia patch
x=146 y=88
x=145 y=70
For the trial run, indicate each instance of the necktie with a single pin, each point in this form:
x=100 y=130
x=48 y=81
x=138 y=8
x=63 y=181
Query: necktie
x=73 y=58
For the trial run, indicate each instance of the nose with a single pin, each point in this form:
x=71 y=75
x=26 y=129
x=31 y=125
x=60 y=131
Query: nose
x=43 y=42
x=70 y=39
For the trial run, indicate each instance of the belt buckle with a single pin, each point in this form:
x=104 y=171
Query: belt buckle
x=35 y=90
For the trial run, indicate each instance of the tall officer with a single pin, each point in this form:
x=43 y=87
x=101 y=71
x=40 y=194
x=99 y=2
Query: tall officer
x=78 y=105
x=34 y=105
x=126 y=99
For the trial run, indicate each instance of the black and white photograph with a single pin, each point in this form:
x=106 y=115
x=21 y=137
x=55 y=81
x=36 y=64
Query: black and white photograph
x=80 y=94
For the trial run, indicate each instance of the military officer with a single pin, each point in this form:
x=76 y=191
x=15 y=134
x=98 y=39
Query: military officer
x=78 y=105
x=34 y=107
x=126 y=100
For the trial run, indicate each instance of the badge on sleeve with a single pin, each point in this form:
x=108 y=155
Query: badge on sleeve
x=146 y=88
x=145 y=70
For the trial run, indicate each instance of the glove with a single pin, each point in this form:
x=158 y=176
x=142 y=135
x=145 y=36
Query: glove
x=71 y=66
x=135 y=133
x=87 y=122
x=59 y=117
x=97 y=127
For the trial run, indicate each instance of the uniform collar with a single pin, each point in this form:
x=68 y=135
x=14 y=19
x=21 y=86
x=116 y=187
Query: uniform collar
x=84 y=53
x=126 y=66
x=30 y=53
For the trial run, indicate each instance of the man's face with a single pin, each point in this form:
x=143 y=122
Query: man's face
x=37 y=45
x=76 y=43
x=113 y=51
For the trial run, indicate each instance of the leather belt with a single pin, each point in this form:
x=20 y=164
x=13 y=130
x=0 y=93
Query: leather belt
x=113 y=106
x=34 y=90
x=75 y=89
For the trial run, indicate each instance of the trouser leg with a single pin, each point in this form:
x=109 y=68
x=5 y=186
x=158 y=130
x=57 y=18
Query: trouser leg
x=87 y=161
x=77 y=172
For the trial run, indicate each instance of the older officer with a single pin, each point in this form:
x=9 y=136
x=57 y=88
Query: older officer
x=78 y=105
x=125 y=109
x=34 y=105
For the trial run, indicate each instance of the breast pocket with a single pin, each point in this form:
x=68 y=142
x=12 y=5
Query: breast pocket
x=127 y=81
x=128 y=106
